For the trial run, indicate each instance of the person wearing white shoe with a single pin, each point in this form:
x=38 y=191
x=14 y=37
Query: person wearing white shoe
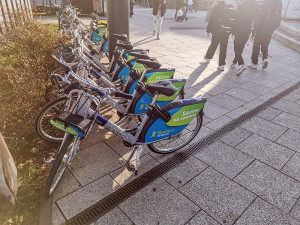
x=159 y=10
x=241 y=31
x=219 y=25
x=252 y=66
x=265 y=23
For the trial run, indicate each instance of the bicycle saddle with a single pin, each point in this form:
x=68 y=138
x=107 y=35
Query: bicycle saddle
x=163 y=87
x=135 y=50
x=122 y=37
x=150 y=63
x=140 y=55
x=125 y=45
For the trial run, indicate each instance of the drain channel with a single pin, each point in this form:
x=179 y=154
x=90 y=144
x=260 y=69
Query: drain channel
x=94 y=212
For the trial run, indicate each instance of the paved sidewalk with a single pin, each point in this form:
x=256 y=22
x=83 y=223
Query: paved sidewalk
x=249 y=176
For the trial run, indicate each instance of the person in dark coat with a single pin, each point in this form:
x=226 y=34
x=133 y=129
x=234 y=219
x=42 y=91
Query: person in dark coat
x=265 y=23
x=159 y=10
x=241 y=31
x=219 y=25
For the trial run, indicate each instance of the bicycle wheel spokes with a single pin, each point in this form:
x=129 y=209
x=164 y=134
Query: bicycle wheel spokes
x=43 y=126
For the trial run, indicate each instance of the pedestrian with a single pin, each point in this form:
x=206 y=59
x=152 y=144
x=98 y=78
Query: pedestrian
x=211 y=7
x=178 y=5
x=241 y=31
x=265 y=23
x=190 y=5
x=219 y=25
x=195 y=5
x=131 y=7
x=159 y=10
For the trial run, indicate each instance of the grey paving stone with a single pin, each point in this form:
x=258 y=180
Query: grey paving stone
x=290 y=139
x=262 y=213
x=183 y=173
x=253 y=104
x=223 y=81
x=224 y=158
x=242 y=94
x=288 y=120
x=271 y=185
x=202 y=218
x=264 y=128
x=67 y=185
x=235 y=137
x=292 y=97
x=123 y=176
x=158 y=203
x=87 y=196
x=269 y=113
x=214 y=111
x=57 y=217
x=204 y=131
x=295 y=212
x=288 y=107
x=218 y=123
x=210 y=88
x=292 y=168
x=218 y=195
x=116 y=143
x=95 y=162
x=206 y=120
x=272 y=81
x=97 y=135
x=227 y=101
x=114 y=217
x=237 y=112
x=266 y=151
x=256 y=88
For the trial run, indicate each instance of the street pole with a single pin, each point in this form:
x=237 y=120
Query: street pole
x=117 y=20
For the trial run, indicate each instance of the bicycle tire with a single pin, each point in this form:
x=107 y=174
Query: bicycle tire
x=59 y=165
x=45 y=132
x=153 y=146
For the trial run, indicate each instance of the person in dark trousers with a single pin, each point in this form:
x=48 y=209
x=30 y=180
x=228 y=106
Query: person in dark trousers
x=178 y=5
x=219 y=25
x=265 y=23
x=241 y=31
x=131 y=7
x=159 y=10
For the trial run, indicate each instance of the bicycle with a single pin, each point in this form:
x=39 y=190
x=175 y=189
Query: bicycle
x=163 y=130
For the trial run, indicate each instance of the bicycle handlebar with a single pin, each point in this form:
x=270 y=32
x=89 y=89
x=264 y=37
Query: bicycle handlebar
x=69 y=73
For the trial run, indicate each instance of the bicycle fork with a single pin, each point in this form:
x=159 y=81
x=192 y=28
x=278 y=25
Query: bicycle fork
x=129 y=165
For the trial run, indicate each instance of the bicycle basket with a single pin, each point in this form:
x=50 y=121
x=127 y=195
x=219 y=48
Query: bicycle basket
x=80 y=114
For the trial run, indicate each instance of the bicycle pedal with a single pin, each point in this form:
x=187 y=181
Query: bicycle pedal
x=130 y=167
x=127 y=144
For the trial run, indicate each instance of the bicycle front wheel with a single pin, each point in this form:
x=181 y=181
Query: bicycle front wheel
x=178 y=141
x=42 y=122
x=64 y=157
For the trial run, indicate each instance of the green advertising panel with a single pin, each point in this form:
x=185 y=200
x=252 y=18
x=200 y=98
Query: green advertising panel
x=185 y=115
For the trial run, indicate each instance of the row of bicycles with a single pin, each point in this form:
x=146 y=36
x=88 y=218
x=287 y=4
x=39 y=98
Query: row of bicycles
x=148 y=100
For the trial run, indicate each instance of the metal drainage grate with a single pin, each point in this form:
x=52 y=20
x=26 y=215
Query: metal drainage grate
x=94 y=212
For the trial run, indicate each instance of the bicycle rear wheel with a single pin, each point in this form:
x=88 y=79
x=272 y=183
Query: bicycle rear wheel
x=178 y=141
x=42 y=122
x=64 y=157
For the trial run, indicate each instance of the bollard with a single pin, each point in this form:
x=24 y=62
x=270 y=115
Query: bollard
x=117 y=20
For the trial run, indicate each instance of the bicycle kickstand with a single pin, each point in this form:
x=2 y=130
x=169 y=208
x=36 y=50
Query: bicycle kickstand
x=129 y=165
